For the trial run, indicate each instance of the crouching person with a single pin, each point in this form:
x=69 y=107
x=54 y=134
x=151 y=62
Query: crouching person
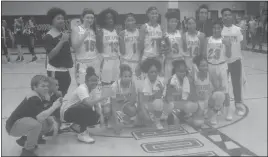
x=30 y=119
x=152 y=93
x=178 y=92
x=80 y=107
x=124 y=97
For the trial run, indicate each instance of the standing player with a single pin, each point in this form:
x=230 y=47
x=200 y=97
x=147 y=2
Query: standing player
x=128 y=40
x=232 y=34
x=193 y=43
x=218 y=50
x=84 y=44
x=150 y=35
x=174 y=37
x=108 y=45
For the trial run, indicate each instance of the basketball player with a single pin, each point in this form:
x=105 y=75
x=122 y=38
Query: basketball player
x=174 y=37
x=193 y=43
x=150 y=35
x=108 y=45
x=128 y=40
x=218 y=51
x=84 y=44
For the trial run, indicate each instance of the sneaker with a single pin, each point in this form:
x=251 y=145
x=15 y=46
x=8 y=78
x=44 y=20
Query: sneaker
x=213 y=120
x=8 y=59
x=159 y=126
x=34 y=58
x=22 y=58
x=240 y=110
x=229 y=116
x=27 y=153
x=21 y=141
x=85 y=137
x=18 y=58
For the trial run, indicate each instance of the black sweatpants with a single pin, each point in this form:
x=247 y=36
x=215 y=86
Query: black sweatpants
x=81 y=115
x=235 y=69
x=3 y=47
x=63 y=78
x=30 y=43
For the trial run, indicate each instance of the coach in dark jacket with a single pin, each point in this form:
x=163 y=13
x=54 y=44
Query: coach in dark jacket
x=204 y=24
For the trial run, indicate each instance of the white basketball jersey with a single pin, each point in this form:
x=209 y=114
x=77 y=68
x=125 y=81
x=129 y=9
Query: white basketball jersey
x=203 y=87
x=150 y=44
x=110 y=43
x=215 y=51
x=131 y=40
x=193 y=45
x=88 y=48
x=174 y=41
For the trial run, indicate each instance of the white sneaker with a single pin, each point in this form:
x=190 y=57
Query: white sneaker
x=159 y=126
x=213 y=120
x=229 y=116
x=240 y=110
x=85 y=137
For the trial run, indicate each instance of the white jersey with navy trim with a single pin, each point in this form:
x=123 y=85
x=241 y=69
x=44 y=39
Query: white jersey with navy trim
x=88 y=48
x=131 y=40
x=150 y=44
x=110 y=43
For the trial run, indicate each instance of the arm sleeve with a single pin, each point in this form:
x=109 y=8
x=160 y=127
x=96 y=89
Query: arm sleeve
x=185 y=88
x=48 y=45
x=82 y=93
x=114 y=89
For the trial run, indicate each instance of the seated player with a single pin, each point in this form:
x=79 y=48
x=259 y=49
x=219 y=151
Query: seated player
x=218 y=51
x=124 y=99
x=80 y=107
x=30 y=119
x=152 y=93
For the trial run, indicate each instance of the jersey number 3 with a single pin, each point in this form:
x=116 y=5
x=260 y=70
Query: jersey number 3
x=89 y=45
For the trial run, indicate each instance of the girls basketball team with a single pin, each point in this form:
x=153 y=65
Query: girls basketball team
x=143 y=76
x=148 y=81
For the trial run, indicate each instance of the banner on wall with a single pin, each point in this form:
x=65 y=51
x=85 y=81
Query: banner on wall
x=43 y=25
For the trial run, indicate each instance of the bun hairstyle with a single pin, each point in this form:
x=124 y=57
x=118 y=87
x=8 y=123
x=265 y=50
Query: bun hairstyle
x=123 y=68
x=90 y=72
x=190 y=18
x=179 y=63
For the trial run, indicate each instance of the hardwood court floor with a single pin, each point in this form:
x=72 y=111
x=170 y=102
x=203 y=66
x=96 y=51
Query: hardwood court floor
x=244 y=136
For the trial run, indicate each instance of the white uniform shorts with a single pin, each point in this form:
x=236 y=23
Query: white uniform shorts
x=222 y=71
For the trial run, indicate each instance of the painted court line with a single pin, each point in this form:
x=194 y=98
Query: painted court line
x=172 y=131
x=209 y=153
x=171 y=145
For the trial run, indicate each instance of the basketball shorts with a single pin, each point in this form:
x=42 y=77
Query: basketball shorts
x=110 y=69
x=220 y=70
x=81 y=69
x=132 y=63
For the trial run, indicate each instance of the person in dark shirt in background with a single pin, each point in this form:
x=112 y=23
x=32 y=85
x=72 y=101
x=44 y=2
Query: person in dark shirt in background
x=30 y=119
x=204 y=24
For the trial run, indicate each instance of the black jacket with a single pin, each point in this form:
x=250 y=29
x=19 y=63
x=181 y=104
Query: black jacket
x=205 y=27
